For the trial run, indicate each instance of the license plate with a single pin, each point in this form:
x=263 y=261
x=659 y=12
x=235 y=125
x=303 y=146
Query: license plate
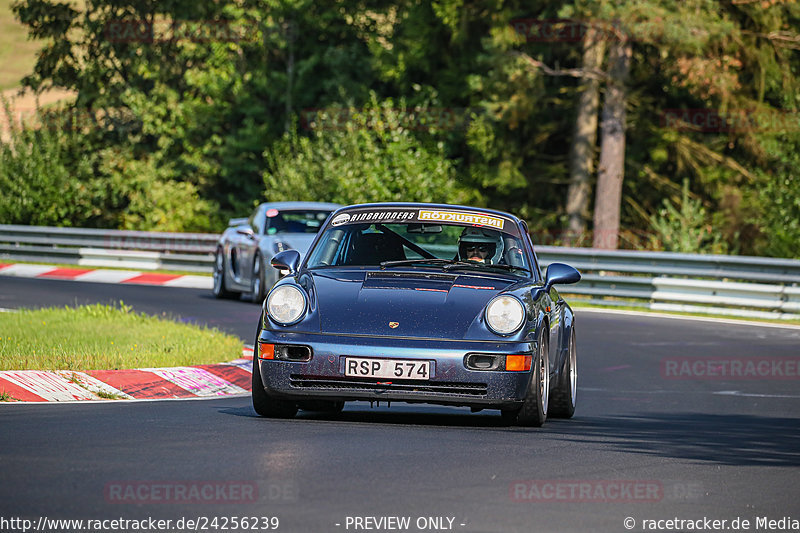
x=387 y=368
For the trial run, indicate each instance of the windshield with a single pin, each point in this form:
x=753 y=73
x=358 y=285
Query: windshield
x=392 y=245
x=295 y=221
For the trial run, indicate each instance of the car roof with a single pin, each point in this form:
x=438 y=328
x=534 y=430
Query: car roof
x=292 y=206
x=420 y=205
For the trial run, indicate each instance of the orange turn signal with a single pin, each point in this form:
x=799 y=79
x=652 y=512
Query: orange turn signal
x=518 y=363
x=267 y=351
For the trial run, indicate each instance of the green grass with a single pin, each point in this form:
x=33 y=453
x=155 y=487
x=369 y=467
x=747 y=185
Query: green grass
x=107 y=395
x=6 y=397
x=102 y=337
x=101 y=393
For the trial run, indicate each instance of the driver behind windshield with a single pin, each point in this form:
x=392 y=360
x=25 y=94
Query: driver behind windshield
x=479 y=244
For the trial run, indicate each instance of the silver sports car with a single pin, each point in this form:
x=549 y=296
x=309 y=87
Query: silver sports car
x=245 y=249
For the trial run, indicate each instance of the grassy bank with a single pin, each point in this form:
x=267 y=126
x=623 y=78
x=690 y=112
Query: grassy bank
x=98 y=336
x=578 y=304
x=17 y=52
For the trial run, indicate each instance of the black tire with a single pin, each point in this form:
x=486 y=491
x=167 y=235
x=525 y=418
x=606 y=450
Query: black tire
x=533 y=412
x=322 y=406
x=219 y=289
x=562 y=402
x=258 y=289
x=263 y=403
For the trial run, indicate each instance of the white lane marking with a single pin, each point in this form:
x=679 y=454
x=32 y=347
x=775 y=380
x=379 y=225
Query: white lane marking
x=105 y=276
x=614 y=368
x=674 y=343
x=684 y=392
x=680 y=317
x=191 y=282
x=27 y=271
x=753 y=395
x=108 y=276
x=244 y=364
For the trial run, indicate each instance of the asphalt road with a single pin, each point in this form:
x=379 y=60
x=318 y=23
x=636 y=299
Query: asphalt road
x=645 y=444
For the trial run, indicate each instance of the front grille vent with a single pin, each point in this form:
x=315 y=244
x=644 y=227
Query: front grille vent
x=421 y=387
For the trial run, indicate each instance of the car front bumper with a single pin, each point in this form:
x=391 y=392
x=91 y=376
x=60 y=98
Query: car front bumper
x=451 y=382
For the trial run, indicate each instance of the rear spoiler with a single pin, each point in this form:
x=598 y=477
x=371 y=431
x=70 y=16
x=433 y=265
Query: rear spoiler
x=237 y=221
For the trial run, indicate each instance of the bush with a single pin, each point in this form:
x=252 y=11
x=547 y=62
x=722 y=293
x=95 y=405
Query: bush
x=369 y=157
x=686 y=227
x=44 y=177
x=154 y=201
x=51 y=175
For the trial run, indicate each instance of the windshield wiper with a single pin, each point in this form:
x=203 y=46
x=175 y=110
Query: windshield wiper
x=450 y=264
x=475 y=264
x=431 y=261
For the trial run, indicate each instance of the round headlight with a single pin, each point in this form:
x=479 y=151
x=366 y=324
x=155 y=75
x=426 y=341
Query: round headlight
x=286 y=304
x=505 y=315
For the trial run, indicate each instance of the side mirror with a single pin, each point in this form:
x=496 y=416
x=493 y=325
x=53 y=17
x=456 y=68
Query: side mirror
x=286 y=260
x=559 y=273
x=247 y=232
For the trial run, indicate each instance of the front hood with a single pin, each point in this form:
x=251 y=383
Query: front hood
x=422 y=304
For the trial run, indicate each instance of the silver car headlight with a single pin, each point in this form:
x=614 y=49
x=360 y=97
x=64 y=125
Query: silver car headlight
x=505 y=314
x=286 y=304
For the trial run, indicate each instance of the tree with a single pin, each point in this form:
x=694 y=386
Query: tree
x=611 y=169
x=203 y=118
x=368 y=156
x=584 y=138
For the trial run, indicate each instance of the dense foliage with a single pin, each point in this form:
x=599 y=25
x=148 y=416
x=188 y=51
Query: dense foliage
x=193 y=112
x=369 y=157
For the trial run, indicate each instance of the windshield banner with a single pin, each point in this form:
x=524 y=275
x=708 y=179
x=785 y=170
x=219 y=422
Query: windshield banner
x=436 y=216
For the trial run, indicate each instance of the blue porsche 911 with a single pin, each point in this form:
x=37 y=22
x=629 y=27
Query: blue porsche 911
x=418 y=303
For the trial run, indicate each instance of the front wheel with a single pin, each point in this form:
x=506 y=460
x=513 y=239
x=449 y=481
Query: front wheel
x=534 y=407
x=258 y=284
x=263 y=403
x=563 y=404
x=219 y=276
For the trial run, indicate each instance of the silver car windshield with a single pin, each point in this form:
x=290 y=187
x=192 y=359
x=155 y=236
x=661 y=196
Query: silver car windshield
x=442 y=245
x=295 y=221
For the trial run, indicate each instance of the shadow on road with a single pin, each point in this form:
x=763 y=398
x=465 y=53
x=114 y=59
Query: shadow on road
x=724 y=439
x=400 y=415
x=728 y=439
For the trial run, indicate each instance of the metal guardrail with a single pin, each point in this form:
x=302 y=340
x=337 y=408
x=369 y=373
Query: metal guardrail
x=734 y=285
x=756 y=287
x=146 y=250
